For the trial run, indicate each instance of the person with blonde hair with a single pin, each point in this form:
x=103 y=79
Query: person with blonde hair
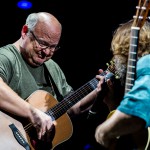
x=132 y=114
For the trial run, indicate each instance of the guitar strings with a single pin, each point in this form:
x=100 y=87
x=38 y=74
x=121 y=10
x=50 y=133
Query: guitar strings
x=66 y=104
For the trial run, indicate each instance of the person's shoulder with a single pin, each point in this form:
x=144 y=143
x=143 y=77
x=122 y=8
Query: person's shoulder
x=145 y=57
x=9 y=52
x=143 y=65
x=4 y=47
x=145 y=60
x=7 y=49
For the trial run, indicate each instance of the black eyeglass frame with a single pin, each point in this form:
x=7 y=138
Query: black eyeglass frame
x=51 y=47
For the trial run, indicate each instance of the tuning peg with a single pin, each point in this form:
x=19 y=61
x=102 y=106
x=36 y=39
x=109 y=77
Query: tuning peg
x=111 y=62
x=107 y=64
x=117 y=77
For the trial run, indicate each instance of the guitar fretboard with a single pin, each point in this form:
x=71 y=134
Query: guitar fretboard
x=132 y=59
x=60 y=108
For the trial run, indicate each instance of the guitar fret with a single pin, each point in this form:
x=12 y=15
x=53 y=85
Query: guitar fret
x=133 y=53
x=132 y=59
x=130 y=84
x=50 y=113
x=135 y=28
x=131 y=66
x=134 y=37
x=130 y=78
x=127 y=90
x=93 y=84
x=134 y=45
x=130 y=73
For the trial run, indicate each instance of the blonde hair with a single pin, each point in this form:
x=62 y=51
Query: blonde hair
x=121 y=39
x=121 y=42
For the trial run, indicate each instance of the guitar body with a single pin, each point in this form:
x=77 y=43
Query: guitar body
x=7 y=140
x=43 y=101
x=63 y=129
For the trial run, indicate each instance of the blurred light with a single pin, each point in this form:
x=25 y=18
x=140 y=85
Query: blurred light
x=88 y=147
x=23 y=4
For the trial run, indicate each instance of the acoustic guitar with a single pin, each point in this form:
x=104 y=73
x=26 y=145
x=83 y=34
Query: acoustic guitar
x=44 y=101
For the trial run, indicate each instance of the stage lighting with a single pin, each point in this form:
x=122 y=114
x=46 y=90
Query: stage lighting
x=23 y=4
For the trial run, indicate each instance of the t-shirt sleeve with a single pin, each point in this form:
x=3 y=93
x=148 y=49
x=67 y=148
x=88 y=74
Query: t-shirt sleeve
x=5 y=68
x=137 y=101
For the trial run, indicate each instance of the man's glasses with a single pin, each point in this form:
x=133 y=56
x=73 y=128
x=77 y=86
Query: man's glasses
x=43 y=44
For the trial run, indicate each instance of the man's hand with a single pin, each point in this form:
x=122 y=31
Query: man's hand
x=42 y=122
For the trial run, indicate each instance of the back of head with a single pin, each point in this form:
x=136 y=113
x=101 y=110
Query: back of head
x=121 y=39
x=121 y=43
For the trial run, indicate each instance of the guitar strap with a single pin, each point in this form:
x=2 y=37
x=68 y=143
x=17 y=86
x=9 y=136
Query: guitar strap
x=51 y=82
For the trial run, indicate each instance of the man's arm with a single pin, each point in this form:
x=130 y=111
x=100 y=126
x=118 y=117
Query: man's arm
x=12 y=103
x=117 y=125
x=86 y=103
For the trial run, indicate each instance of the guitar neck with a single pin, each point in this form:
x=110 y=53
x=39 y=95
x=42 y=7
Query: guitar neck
x=60 y=108
x=132 y=59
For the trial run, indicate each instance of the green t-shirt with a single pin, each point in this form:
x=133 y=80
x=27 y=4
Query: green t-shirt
x=17 y=75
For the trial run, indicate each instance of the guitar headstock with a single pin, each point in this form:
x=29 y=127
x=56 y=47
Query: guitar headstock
x=112 y=68
x=141 y=13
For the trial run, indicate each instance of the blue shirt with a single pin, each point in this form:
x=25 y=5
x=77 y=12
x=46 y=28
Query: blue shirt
x=137 y=101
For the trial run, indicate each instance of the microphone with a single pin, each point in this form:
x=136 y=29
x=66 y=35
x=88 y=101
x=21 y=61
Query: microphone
x=95 y=107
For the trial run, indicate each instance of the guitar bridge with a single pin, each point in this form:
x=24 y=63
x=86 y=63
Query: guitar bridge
x=19 y=137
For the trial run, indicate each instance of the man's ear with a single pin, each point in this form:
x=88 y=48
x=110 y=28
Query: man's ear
x=25 y=29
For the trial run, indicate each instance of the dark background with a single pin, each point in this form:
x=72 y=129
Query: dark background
x=85 y=45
